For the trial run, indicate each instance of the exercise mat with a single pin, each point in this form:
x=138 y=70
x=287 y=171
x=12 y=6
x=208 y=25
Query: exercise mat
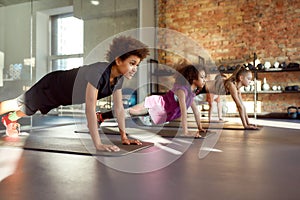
x=103 y=129
x=176 y=124
x=79 y=146
x=163 y=132
x=107 y=129
x=192 y=119
x=178 y=134
x=225 y=126
x=138 y=121
x=231 y=126
x=85 y=130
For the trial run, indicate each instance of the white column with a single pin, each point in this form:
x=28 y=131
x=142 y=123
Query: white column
x=146 y=14
x=1 y=68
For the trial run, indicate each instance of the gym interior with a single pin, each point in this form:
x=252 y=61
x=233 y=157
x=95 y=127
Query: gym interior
x=53 y=158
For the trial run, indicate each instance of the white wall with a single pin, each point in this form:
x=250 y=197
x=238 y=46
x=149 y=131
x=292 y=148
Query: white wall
x=1 y=44
x=1 y=68
x=42 y=44
x=16 y=33
x=42 y=35
x=2 y=19
x=147 y=35
x=99 y=29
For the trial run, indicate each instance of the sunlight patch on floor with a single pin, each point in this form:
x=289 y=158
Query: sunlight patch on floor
x=9 y=157
x=270 y=122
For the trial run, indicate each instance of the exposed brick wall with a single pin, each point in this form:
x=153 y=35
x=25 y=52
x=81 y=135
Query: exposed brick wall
x=232 y=30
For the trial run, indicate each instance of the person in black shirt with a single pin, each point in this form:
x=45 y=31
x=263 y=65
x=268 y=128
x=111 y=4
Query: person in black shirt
x=85 y=84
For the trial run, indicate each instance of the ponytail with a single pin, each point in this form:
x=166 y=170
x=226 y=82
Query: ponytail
x=240 y=70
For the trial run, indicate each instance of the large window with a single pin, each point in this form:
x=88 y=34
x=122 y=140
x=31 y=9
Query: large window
x=66 y=42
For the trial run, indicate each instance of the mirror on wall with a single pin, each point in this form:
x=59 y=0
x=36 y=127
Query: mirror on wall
x=41 y=36
x=16 y=63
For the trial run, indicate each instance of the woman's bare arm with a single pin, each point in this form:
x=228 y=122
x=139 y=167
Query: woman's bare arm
x=90 y=111
x=182 y=104
x=120 y=114
x=236 y=96
x=197 y=117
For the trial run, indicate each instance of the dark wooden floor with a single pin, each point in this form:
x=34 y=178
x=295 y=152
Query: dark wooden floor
x=254 y=165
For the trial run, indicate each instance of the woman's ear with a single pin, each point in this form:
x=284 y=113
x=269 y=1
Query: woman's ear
x=241 y=77
x=194 y=82
x=118 y=60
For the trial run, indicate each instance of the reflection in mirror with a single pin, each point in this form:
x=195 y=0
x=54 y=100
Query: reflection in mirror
x=16 y=63
x=41 y=36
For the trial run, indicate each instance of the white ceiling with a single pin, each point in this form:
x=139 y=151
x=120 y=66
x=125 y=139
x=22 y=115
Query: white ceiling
x=85 y=10
x=12 y=2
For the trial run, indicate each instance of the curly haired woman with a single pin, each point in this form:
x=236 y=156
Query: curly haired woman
x=85 y=84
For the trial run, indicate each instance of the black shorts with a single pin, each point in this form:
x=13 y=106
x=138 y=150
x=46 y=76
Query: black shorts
x=39 y=97
x=30 y=107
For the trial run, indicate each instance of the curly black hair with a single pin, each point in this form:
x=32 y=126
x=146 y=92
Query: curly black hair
x=125 y=46
x=189 y=73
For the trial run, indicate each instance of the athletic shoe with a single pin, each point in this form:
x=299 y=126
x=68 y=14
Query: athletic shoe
x=99 y=117
x=12 y=127
x=146 y=120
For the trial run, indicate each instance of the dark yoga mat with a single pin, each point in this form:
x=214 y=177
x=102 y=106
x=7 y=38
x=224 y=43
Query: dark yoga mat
x=192 y=119
x=77 y=146
x=175 y=124
x=163 y=132
x=138 y=121
x=230 y=126
x=101 y=130
x=113 y=130
x=226 y=126
x=174 y=133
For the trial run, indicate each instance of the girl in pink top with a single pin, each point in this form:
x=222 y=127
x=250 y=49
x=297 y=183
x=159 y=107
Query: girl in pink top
x=174 y=104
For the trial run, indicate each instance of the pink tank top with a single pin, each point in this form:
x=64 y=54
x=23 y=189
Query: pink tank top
x=172 y=107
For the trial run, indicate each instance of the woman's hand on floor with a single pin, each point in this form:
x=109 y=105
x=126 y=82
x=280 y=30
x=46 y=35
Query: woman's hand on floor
x=108 y=147
x=251 y=127
x=202 y=130
x=127 y=141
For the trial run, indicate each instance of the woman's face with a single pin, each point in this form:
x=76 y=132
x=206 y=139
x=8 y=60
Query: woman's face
x=128 y=67
x=246 y=79
x=201 y=79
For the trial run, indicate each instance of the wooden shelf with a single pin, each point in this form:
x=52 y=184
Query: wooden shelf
x=163 y=73
x=261 y=71
x=271 y=92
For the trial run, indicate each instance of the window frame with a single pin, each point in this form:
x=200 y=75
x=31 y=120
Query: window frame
x=52 y=56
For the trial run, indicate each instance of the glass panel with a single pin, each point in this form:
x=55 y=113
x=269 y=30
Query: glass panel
x=25 y=33
x=68 y=63
x=66 y=35
x=16 y=67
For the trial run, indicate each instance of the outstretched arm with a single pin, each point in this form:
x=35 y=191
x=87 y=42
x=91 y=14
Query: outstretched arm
x=237 y=98
x=90 y=111
x=181 y=99
x=120 y=114
x=197 y=117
